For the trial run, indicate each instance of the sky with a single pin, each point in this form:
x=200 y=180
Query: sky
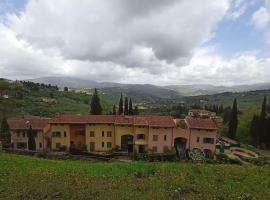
x=224 y=42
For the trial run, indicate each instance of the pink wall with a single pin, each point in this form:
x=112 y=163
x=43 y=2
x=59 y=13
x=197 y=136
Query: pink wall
x=161 y=143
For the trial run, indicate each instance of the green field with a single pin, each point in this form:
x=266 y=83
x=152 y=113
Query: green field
x=23 y=177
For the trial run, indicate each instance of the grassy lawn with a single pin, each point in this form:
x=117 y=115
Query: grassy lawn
x=24 y=177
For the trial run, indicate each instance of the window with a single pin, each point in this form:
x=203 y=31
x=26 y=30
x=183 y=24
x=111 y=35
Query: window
x=154 y=148
x=102 y=144
x=24 y=134
x=92 y=146
x=109 y=145
x=65 y=134
x=79 y=133
x=102 y=133
x=40 y=145
x=57 y=145
x=155 y=137
x=141 y=137
x=165 y=137
x=109 y=134
x=208 y=140
x=92 y=133
x=18 y=134
x=56 y=134
x=198 y=139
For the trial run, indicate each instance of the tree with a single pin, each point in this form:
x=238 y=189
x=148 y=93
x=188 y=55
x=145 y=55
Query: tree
x=126 y=106
x=95 y=105
x=31 y=139
x=114 y=110
x=5 y=136
x=66 y=89
x=254 y=128
x=130 y=109
x=120 y=108
x=262 y=127
x=233 y=123
x=267 y=136
x=136 y=110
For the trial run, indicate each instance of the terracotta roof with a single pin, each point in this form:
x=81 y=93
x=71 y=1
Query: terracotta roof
x=200 y=123
x=37 y=123
x=83 y=119
x=154 y=121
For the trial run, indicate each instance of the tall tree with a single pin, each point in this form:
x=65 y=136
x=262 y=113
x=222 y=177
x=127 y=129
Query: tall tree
x=233 y=123
x=5 y=136
x=130 y=109
x=254 y=130
x=262 y=127
x=126 y=106
x=267 y=136
x=95 y=105
x=120 y=108
x=31 y=139
x=136 y=111
x=114 y=110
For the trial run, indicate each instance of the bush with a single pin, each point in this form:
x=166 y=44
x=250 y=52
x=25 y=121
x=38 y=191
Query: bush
x=224 y=159
x=77 y=150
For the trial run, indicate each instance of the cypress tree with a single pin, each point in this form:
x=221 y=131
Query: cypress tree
x=254 y=128
x=233 y=123
x=130 y=109
x=120 y=108
x=31 y=139
x=5 y=136
x=268 y=132
x=126 y=106
x=136 y=111
x=95 y=105
x=262 y=127
x=114 y=110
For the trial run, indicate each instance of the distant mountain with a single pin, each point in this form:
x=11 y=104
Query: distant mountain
x=152 y=91
x=195 y=90
x=135 y=91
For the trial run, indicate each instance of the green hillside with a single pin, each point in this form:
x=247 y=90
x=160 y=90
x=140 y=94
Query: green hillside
x=43 y=100
x=24 y=177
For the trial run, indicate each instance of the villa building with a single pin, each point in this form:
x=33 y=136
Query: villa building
x=158 y=134
x=19 y=127
x=105 y=133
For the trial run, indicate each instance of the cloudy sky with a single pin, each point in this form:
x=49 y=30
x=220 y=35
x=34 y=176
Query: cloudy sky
x=224 y=42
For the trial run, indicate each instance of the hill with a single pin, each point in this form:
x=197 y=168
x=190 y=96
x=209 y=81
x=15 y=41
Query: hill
x=155 y=91
x=34 y=178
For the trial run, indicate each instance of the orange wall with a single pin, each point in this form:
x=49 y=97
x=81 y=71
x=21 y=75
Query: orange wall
x=75 y=138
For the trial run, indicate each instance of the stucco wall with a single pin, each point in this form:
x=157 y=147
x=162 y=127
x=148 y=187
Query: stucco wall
x=64 y=141
x=122 y=130
x=181 y=133
x=98 y=139
x=202 y=134
x=15 y=140
x=161 y=143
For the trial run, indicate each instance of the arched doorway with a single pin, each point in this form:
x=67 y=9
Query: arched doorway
x=127 y=143
x=208 y=153
x=180 y=147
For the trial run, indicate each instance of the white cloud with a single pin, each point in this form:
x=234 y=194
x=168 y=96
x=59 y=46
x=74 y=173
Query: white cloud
x=154 y=41
x=261 y=18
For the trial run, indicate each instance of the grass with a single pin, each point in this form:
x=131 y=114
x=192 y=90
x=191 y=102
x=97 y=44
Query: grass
x=23 y=177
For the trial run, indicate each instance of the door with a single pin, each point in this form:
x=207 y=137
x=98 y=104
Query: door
x=92 y=146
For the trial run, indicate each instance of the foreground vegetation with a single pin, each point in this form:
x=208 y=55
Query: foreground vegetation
x=24 y=177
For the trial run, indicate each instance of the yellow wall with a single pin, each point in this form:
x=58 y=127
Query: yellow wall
x=98 y=139
x=122 y=130
x=65 y=141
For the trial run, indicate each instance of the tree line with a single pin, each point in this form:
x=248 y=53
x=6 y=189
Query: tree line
x=124 y=107
x=260 y=128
